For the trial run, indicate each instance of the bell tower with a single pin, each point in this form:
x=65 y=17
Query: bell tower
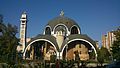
x=23 y=30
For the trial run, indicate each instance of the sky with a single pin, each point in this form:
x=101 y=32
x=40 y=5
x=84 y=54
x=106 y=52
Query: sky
x=95 y=17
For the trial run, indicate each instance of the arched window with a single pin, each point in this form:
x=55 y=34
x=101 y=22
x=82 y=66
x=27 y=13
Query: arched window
x=61 y=29
x=74 y=30
x=47 y=31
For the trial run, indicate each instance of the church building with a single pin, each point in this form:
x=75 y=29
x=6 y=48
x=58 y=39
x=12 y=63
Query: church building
x=61 y=38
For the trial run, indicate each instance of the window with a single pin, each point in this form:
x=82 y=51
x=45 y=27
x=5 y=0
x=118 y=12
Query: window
x=47 y=31
x=74 y=30
x=23 y=21
x=61 y=29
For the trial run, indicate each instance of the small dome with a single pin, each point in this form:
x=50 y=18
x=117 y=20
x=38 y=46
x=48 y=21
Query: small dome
x=62 y=20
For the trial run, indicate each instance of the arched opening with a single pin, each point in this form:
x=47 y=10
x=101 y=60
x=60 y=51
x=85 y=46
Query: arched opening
x=40 y=50
x=74 y=30
x=60 y=29
x=78 y=48
x=47 y=31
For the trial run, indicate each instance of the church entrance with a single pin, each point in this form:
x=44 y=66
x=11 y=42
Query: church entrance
x=40 y=50
x=78 y=50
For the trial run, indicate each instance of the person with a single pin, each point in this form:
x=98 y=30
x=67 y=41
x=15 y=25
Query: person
x=57 y=64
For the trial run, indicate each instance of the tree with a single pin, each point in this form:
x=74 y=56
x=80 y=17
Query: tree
x=116 y=45
x=8 y=42
x=103 y=55
x=92 y=55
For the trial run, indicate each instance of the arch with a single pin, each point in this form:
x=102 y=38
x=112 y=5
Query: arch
x=74 y=30
x=47 y=30
x=36 y=41
x=80 y=40
x=61 y=25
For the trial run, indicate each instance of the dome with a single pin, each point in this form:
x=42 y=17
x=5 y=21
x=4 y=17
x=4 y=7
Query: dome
x=62 y=20
x=62 y=25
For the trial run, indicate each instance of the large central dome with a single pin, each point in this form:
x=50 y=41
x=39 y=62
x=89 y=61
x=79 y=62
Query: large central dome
x=64 y=24
x=62 y=20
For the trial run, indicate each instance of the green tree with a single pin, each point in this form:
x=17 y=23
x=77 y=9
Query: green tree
x=8 y=42
x=92 y=55
x=116 y=45
x=103 y=55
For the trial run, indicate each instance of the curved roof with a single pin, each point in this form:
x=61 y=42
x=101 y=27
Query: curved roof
x=47 y=37
x=78 y=36
x=70 y=37
x=62 y=20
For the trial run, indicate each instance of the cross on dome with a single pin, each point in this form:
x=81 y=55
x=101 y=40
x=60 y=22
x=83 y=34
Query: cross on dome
x=62 y=13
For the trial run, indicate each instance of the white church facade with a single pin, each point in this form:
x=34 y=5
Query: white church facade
x=62 y=38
